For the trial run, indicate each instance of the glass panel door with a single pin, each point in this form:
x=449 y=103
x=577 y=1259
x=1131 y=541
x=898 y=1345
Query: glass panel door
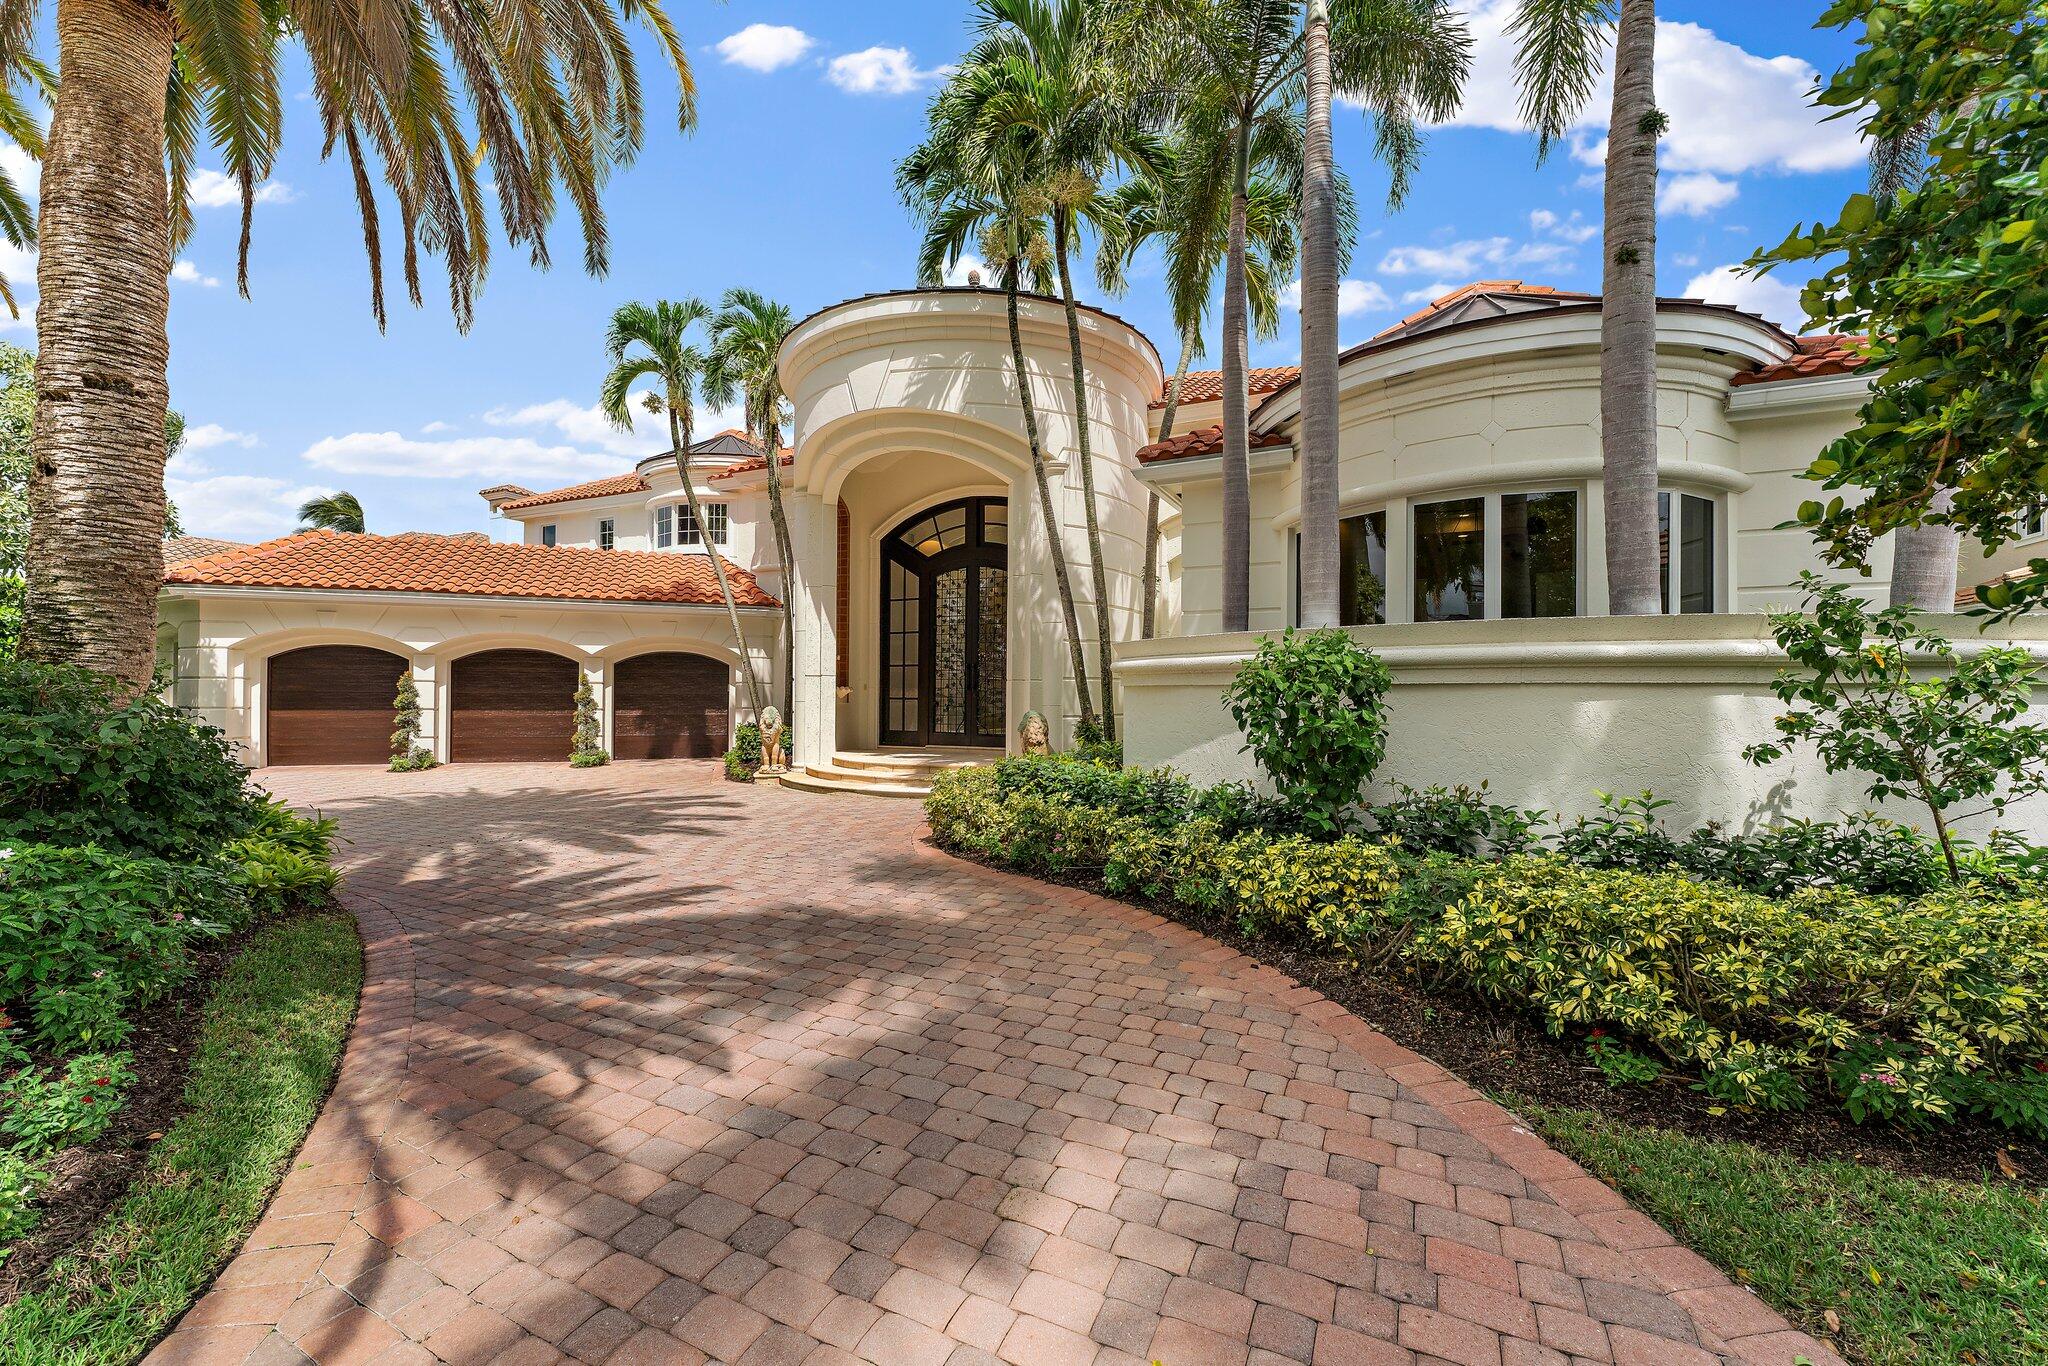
x=949 y=653
x=991 y=655
x=945 y=608
x=902 y=712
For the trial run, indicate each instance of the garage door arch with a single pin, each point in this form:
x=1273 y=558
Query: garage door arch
x=670 y=704
x=511 y=706
x=331 y=704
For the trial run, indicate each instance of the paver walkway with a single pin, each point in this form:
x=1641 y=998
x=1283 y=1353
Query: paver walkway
x=653 y=1068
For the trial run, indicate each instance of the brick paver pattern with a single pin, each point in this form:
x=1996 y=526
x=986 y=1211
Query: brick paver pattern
x=655 y=1068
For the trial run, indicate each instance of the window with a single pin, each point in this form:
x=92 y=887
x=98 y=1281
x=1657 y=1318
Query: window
x=2035 y=522
x=607 y=534
x=664 y=527
x=547 y=534
x=714 y=517
x=1361 y=570
x=1539 y=554
x=1450 y=560
x=1688 y=574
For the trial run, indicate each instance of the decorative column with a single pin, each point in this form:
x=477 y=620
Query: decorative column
x=813 y=593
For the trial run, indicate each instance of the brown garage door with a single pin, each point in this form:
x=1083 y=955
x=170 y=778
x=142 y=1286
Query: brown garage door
x=669 y=706
x=511 y=706
x=332 y=704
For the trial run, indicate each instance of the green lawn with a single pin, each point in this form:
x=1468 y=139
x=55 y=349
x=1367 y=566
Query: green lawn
x=1916 y=1270
x=273 y=1035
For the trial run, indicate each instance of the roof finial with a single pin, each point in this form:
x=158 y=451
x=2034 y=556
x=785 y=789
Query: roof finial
x=973 y=279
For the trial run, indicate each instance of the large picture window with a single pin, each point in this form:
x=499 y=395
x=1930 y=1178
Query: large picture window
x=1539 y=554
x=1686 y=551
x=1450 y=560
x=715 y=519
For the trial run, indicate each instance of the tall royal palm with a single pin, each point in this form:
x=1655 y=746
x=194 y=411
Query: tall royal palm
x=429 y=97
x=652 y=342
x=1041 y=92
x=1166 y=207
x=1560 y=47
x=1232 y=67
x=991 y=208
x=746 y=344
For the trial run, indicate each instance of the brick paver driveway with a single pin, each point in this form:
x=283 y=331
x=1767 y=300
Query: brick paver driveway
x=653 y=1068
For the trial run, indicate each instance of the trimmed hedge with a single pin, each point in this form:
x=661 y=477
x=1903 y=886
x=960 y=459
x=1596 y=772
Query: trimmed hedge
x=1912 y=1009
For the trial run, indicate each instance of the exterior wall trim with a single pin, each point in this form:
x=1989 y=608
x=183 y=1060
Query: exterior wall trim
x=186 y=590
x=1790 y=397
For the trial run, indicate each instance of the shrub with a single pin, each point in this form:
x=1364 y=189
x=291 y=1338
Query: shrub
x=744 y=757
x=408 y=755
x=1333 y=893
x=586 y=741
x=1946 y=738
x=1309 y=704
x=80 y=766
x=1155 y=796
x=1459 y=820
x=21 y=1181
x=43 y=1110
x=86 y=935
x=1624 y=833
x=1093 y=746
x=1180 y=863
x=1863 y=852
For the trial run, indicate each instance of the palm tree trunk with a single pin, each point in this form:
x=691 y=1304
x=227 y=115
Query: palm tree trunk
x=1166 y=416
x=1054 y=539
x=1925 y=561
x=1237 y=454
x=1320 y=563
x=1628 y=322
x=785 y=548
x=679 y=432
x=1061 y=228
x=96 y=488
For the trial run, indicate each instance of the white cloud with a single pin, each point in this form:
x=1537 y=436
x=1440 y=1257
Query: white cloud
x=1353 y=297
x=588 y=427
x=210 y=434
x=1770 y=295
x=1464 y=258
x=218 y=190
x=765 y=47
x=517 y=458
x=240 y=507
x=1695 y=195
x=21 y=168
x=1428 y=294
x=1574 y=229
x=881 y=71
x=184 y=272
x=969 y=263
x=433 y=427
x=1731 y=110
x=18 y=268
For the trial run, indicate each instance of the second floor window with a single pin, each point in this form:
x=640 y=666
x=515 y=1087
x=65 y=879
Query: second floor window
x=607 y=534
x=547 y=534
x=664 y=528
x=715 y=521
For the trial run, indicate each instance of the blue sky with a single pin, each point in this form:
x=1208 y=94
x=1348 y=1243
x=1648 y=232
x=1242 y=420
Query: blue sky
x=786 y=186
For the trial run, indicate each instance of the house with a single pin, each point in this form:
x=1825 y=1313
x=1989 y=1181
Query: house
x=922 y=589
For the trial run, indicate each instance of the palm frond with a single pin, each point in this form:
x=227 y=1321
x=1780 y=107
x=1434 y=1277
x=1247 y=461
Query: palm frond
x=1559 y=48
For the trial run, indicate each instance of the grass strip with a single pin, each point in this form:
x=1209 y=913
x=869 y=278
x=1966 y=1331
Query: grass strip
x=1912 y=1269
x=274 y=1031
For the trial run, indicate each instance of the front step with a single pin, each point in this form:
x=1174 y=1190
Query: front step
x=885 y=773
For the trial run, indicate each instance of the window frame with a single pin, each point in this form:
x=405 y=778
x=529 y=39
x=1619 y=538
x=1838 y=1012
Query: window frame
x=689 y=536
x=548 y=533
x=1673 y=594
x=661 y=531
x=607 y=533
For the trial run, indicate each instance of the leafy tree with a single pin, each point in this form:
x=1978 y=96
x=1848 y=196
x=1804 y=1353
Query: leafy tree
x=1310 y=706
x=332 y=512
x=659 y=335
x=1865 y=697
x=441 y=102
x=1946 y=277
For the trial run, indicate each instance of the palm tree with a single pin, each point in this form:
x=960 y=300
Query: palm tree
x=541 y=100
x=332 y=512
x=746 y=346
x=667 y=357
x=1230 y=67
x=17 y=121
x=1041 y=90
x=992 y=209
x=1560 y=44
x=1165 y=207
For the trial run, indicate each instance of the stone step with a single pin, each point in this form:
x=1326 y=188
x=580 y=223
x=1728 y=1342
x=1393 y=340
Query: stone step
x=885 y=773
x=866 y=785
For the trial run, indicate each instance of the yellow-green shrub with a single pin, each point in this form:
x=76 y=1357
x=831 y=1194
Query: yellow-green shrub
x=1332 y=893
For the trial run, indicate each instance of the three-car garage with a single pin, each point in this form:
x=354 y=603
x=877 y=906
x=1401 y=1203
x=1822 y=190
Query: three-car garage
x=334 y=704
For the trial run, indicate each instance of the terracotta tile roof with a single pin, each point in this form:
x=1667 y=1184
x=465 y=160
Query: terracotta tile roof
x=447 y=535
x=447 y=564
x=759 y=462
x=1813 y=358
x=1482 y=298
x=1206 y=386
x=1966 y=596
x=178 y=549
x=1202 y=441
x=596 y=488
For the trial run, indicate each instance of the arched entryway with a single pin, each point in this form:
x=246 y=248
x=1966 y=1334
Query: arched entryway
x=670 y=705
x=331 y=704
x=945 y=615
x=512 y=706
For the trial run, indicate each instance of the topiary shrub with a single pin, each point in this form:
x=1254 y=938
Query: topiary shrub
x=743 y=759
x=407 y=753
x=1310 y=706
x=80 y=766
x=586 y=741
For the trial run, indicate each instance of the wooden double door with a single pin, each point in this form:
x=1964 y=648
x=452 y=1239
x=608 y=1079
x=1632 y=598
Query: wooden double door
x=945 y=625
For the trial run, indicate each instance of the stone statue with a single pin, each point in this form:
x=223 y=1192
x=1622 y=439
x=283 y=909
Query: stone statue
x=1033 y=732
x=773 y=757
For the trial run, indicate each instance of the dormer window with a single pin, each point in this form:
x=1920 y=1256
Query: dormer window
x=547 y=534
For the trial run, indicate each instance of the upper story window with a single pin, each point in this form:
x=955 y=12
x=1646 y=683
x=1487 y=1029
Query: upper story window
x=715 y=520
x=607 y=534
x=547 y=534
x=664 y=530
x=1686 y=552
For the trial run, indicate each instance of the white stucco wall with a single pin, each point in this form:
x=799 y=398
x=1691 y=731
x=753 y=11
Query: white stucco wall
x=226 y=636
x=1549 y=713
